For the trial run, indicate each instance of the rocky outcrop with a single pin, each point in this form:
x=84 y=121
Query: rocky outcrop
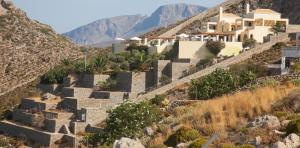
x=291 y=141
x=28 y=49
x=128 y=143
x=269 y=122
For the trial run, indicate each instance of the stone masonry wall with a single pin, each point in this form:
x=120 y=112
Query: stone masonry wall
x=94 y=115
x=161 y=67
x=282 y=37
x=177 y=69
x=43 y=138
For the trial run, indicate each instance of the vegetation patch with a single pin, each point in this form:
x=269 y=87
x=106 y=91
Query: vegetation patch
x=182 y=135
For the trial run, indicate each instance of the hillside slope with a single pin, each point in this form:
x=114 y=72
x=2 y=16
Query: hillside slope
x=28 y=48
x=103 y=32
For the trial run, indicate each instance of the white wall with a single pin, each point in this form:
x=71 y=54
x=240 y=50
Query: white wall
x=193 y=50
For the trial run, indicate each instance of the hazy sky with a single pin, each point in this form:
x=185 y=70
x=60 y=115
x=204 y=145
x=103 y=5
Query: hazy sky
x=65 y=15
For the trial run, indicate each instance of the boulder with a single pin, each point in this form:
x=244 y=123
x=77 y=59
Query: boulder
x=128 y=143
x=266 y=121
x=292 y=141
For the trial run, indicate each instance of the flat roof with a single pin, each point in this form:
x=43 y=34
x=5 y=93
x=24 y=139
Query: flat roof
x=264 y=11
x=214 y=33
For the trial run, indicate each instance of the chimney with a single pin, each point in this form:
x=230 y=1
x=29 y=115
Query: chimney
x=221 y=13
x=247 y=8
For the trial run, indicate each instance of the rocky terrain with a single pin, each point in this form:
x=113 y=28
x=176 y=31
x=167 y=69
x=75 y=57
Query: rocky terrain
x=28 y=48
x=104 y=31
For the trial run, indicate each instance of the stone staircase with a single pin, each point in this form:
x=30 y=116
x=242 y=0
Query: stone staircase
x=282 y=37
x=208 y=13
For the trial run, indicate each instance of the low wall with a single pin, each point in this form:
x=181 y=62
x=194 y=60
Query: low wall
x=43 y=138
x=23 y=117
x=54 y=125
x=77 y=92
x=30 y=104
x=177 y=69
x=94 y=116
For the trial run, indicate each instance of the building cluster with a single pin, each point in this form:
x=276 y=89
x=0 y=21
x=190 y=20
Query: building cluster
x=229 y=28
x=50 y=119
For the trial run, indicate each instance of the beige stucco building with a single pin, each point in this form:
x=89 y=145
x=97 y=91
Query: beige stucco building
x=255 y=24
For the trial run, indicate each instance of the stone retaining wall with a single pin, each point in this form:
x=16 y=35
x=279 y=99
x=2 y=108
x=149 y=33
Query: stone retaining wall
x=54 y=125
x=282 y=37
x=43 y=138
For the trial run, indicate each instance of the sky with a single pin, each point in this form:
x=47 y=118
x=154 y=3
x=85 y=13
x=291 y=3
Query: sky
x=66 y=15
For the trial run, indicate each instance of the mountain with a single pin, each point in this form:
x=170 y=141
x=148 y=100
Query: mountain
x=28 y=48
x=104 y=31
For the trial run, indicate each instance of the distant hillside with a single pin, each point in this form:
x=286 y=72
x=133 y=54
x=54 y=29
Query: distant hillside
x=27 y=48
x=104 y=31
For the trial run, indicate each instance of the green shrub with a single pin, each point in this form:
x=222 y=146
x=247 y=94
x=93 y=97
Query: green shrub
x=246 y=146
x=295 y=67
x=215 y=46
x=54 y=76
x=281 y=115
x=293 y=127
x=197 y=143
x=216 y=84
x=295 y=82
x=279 y=45
x=227 y=145
x=182 y=135
x=246 y=77
x=270 y=82
x=158 y=100
x=108 y=85
x=158 y=146
x=249 y=43
x=129 y=120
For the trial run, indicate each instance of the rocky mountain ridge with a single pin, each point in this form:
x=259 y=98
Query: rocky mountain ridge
x=103 y=32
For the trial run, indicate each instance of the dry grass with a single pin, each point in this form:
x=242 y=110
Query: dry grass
x=232 y=111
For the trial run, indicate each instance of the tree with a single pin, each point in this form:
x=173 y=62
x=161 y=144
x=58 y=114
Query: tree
x=216 y=84
x=215 y=46
x=98 y=64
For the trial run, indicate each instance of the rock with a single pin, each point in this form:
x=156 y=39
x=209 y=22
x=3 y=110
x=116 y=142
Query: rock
x=267 y=121
x=257 y=140
x=279 y=132
x=149 y=131
x=292 y=141
x=128 y=143
x=182 y=145
x=48 y=96
x=7 y=4
x=285 y=122
x=278 y=145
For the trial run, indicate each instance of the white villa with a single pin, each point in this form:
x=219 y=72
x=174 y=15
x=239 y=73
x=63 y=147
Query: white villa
x=254 y=24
